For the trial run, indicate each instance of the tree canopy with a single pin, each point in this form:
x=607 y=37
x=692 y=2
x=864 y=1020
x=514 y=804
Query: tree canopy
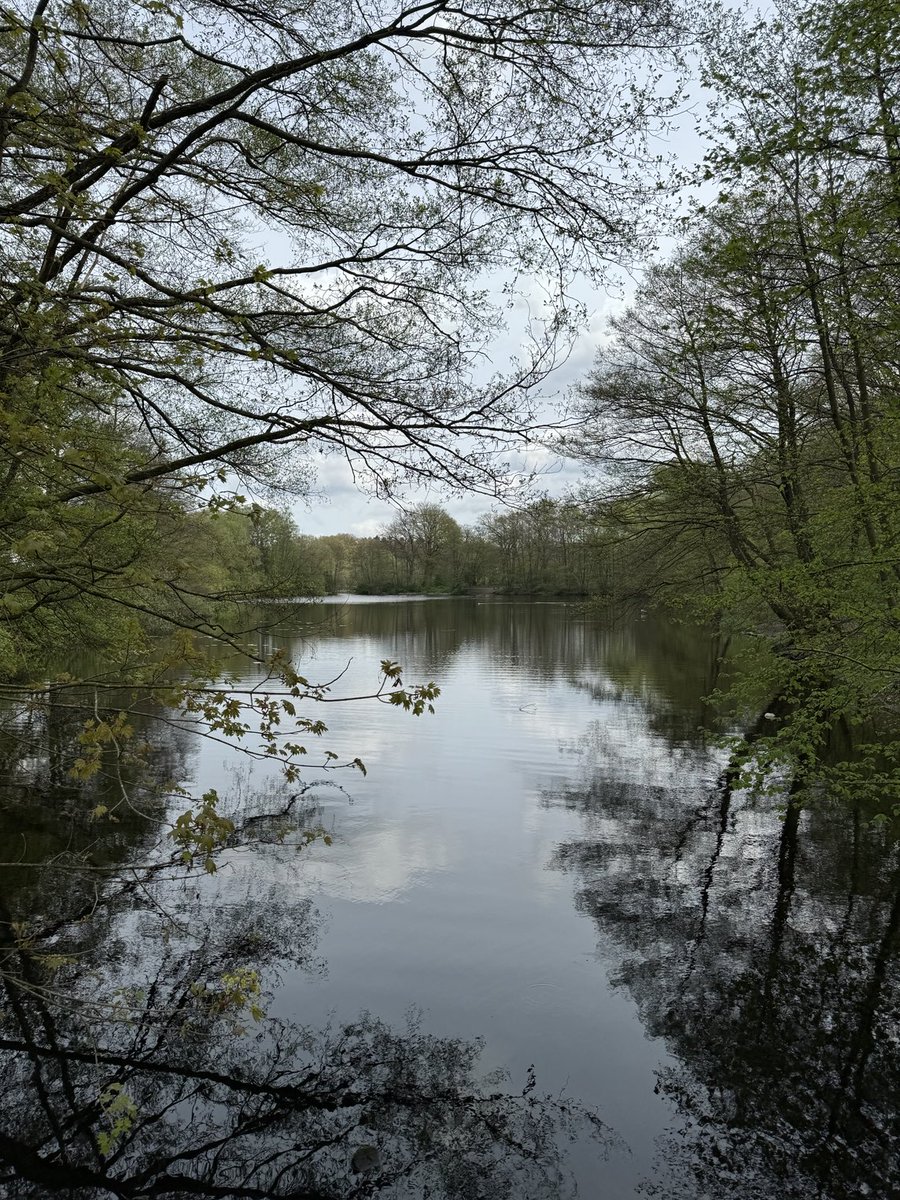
x=235 y=235
x=744 y=413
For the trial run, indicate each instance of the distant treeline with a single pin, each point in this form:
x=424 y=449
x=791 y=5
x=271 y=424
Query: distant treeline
x=203 y=569
x=548 y=547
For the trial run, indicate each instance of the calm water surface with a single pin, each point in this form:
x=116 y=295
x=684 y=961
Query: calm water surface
x=552 y=864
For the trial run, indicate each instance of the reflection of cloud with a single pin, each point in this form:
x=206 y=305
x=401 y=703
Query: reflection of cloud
x=379 y=867
x=366 y=863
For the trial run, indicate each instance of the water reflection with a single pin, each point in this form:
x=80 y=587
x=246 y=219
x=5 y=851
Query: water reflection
x=172 y=1090
x=752 y=946
x=671 y=668
x=137 y=1059
x=53 y=851
x=762 y=947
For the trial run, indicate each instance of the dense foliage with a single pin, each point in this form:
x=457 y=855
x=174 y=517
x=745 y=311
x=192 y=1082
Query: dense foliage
x=744 y=416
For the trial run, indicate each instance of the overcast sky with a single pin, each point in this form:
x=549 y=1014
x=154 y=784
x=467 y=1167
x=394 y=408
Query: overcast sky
x=339 y=506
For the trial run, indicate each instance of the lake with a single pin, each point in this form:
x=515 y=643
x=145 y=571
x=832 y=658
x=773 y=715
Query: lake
x=550 y=869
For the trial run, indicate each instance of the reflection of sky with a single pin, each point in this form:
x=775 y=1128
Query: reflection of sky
x=438 y=890
x=504 y=733
x=527 y=866
x=370 y=865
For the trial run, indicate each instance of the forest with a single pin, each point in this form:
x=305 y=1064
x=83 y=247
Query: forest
x=545 y=547
x=165 y=389
x=238 y=240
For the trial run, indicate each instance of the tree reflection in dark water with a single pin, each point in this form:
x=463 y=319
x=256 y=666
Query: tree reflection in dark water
x=761 y=945
x=280 y=1113
x=136 y=1060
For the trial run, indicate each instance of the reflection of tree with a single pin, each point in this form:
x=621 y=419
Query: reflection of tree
x=52 y=847
x=673 y=669
x=39 y=737
x=762 y=946
x=136 y=1063
x=669 y=667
